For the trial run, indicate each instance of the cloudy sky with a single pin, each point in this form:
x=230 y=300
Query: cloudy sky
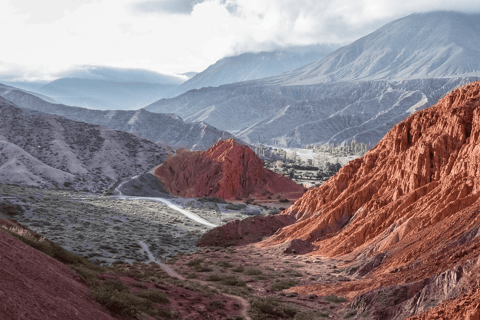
x=45 y=38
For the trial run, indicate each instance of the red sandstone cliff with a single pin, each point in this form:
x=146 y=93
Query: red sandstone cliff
x=423 y=171
x=227 y=170
x=407 y=213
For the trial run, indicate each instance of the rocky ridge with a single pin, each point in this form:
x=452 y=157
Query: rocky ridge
x=227 y=170
x=406 y=213
x=38 y=149
x=162 y=128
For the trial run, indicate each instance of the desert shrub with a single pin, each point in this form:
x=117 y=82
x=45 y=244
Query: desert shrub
x=139 y=285
x=116 y=297
x=238 y=269
x=253 y=272
x=194 y=262
x=233 y=281
x=213 y=277
x=279 y=285
x=271 y=308
x=201 y=268
x=224 y=264
x=215 y=305
x=154 y=296
x=192 y=276
x=335 y=299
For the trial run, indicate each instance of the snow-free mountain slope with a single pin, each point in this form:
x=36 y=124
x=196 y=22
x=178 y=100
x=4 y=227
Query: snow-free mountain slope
x=356 y=92
x=252 y=66
x=111 y=88
x=38 y=149
x=404 y=216
x=429 y=45
x=295 y=116
x=167 y=128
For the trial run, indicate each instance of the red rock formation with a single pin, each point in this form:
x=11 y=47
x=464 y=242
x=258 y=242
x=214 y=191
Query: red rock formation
x=242 y=232
x=37 y=287
x=424 y=170
x=227 y=170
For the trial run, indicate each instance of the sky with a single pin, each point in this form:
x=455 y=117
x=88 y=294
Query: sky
x=47 y=39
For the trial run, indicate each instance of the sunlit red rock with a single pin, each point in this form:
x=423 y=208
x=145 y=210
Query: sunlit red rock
x=424 y=170
x=227 y=170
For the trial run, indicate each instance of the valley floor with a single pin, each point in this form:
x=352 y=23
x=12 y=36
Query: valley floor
x=107 y=230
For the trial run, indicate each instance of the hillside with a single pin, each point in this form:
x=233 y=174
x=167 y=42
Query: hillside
x=227 y=170
x=358 y=92
x=38 y=149
x=104 y=88
x=252 y=66
x=166 y=128
x=425 y=45
x=408 y=209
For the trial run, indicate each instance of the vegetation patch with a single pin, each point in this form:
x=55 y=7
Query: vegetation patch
x=279 y=285
x=335 y=299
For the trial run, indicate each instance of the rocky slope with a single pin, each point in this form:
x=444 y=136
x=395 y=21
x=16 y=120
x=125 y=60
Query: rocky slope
x=408 y=210
x=167 y=128
x=423 y=45
x=38 y=149
x=227 y=170
x=358 y=92
x=52 y=291
x=252 y=66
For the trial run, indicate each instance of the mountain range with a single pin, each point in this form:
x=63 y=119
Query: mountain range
x=358 y=92
x=43 y=150
x=164 y=128
x=252 y=66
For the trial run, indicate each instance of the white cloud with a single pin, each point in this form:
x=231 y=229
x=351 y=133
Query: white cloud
x=183 y=35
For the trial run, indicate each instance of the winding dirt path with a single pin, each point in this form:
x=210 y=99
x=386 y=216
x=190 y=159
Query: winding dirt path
x=244 y=303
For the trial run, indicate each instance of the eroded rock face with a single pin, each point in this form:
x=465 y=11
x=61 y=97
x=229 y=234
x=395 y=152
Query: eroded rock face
x=227 y=170
x=423 y=171
x=246 y=231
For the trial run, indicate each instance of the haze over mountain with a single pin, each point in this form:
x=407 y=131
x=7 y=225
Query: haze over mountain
x=252 y=66
x=424 y=45
x=357 y=92
x=105 y=88
x=38 y=149
x=164 y=128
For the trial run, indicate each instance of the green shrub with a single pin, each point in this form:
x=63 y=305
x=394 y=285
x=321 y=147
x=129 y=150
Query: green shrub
x=279 y=285
x=253 y=272
x=194 y=262
x=215 y=305
x=335 y=299
x=116 y=297
x=213 y=277
x=154 y=296
x=238 y=269
x=224 y=264
x=233 y=281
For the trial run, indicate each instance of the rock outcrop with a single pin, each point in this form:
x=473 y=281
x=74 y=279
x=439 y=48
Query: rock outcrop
x=227 y=170
x=246 y=231
x=404 y=217
x=424 y=170
x=51 y=291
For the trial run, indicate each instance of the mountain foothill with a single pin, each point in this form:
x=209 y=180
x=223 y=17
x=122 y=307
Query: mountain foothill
x=394 y=234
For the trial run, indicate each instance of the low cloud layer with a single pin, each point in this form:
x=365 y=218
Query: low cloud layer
x=176 y=36
x=166 y=6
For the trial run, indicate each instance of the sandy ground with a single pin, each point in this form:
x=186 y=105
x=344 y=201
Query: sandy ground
x=107 y=230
